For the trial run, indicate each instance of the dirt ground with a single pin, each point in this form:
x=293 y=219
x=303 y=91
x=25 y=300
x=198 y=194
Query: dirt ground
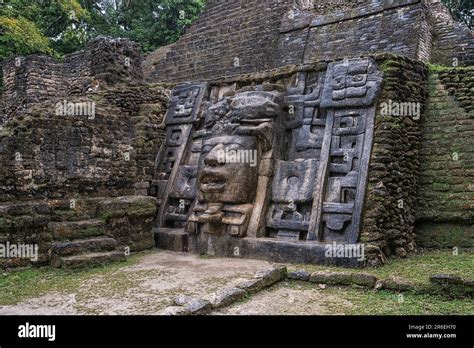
x=149 y=282
x=145 y=288
x=288 y=299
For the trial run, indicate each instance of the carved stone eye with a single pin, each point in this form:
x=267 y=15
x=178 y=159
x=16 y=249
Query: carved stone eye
x=176 y=135
x=293 y=180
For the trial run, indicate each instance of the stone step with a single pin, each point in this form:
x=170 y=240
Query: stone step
x=88 y=260
x=80 y=246
x=77 y=229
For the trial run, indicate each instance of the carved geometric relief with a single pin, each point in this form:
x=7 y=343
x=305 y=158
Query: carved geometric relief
x=349 y=94
x=185 y=186
x=351 y=82
x=289 y=221
x=336 y=226
x=185 y=103
x=304 y=170
x=294 y=181
x=292 y=195
x=176 y=171
x=168 y=162
x=307 y=140
x=305 y=119
x=345 y=153
x=175 y=135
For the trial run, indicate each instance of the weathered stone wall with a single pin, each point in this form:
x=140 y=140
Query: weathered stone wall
x=395 y=164
x=370 y=27
x=46 y=155
x=50 y=154
x=77 y=153
x=446 y=202
x=247 y=36
x=453 y=42
x=36 y=78
x=121 y=222
x=229 y=38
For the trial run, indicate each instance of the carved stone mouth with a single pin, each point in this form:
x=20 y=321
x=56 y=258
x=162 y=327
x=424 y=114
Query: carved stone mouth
x=212 y=182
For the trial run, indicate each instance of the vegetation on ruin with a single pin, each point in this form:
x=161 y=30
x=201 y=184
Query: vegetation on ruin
x=63 y=26
x=417 y=268
x=20 y=285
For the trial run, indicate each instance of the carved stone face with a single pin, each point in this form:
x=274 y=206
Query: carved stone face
x=353 y=82
x=221 y=178
x=350 y=82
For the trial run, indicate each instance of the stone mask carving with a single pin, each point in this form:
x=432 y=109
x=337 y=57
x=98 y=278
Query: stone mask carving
x=237 y=131
x=221 y=180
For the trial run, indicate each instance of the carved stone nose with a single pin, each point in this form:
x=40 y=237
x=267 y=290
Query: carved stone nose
x=216 y=157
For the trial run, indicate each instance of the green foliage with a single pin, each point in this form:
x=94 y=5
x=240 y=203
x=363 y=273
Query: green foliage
x=152 y=23
x=21 y=37
x=462 y=10
x=41 y=26
x=60 y=27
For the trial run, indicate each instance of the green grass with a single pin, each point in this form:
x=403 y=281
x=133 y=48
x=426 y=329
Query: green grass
x=439 y=68
x=18 y=286
x=344 y=300
x=370 y=302
x=420 y=267
x=417 y=268
x=111 y=279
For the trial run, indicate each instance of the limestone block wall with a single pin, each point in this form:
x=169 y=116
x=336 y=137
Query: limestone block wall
x=394 y=171
x=77 y=153
x=127 y=220
x=446 y=203
x=106 y=146
x=36 y=78
x=31 y=79
x=367 y=27
x=46 y=155
x=453 y=42
x=229 y=38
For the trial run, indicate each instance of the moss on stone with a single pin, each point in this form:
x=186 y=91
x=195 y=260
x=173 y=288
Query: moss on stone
x=3 y=224
x=6 y=132
x=140 y=208
x=431 y=235
x=436 y=68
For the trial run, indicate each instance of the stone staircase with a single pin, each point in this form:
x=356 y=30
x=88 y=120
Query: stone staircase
x=74 y=233
x=83 y=244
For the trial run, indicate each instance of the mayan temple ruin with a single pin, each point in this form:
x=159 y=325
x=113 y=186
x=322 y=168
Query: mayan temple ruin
x=271 y=130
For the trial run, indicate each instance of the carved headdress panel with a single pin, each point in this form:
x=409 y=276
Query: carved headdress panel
x=248 y=113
